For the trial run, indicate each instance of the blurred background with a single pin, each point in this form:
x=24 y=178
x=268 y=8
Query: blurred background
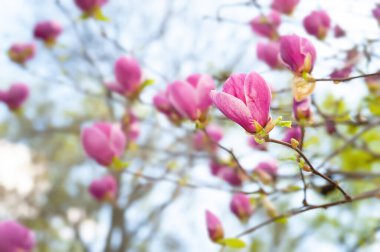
x=44 y=173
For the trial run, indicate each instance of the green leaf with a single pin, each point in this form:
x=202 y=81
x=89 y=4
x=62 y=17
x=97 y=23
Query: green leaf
x=287 y=124
x=232 y=243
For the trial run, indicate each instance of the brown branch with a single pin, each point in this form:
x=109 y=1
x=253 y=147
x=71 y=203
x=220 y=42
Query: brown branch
x=349 y=78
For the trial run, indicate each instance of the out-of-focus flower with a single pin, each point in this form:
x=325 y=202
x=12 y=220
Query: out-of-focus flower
x=214 y=227
x=294 y=132
x=103 y=142
x=241 y=206
x=376 y=13
x=245 y=99
x=15 y=96
x=103 y=189
x=342 y=73
x=14 y=237
x=128 y=75
x=191 y=98
x=22 y=52
x=339 y=32
x=284 y=6
x=267 y=171
x=255 y=145
x=317 y=23
x=161 y=103
x=131 y=126
x=302 y=109
x=297 y=53
x=90 y=8
x=48 y=31
x=229 y=174
x=208 y=142
x=270 y=54
x=267 y=26
x=373 y=84
x=330 y=127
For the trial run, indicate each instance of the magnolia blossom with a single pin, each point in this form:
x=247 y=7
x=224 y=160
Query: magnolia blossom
x=267 y=171
x=128 y=75
x=297 y=53
x=48 y=31
x=241 y=206
x=294 y=132
x=330 y=127
x=201 y=141
x=191 y=98
x=302 y=109
x=131 y=125
x=376 y=13
x=90 y=6
x=245 y=99
x=284 y=6
x=103 y=189
x=255 y=145
x=339 y=32
x=22 y=52
x=267 y=26
x=214 y=227
x=15 y=96
x=270 y=53
x=317 y=23
x=14 y=237
x=229 y=174
x=161 y=103
x=342 y=73
x=103 y=142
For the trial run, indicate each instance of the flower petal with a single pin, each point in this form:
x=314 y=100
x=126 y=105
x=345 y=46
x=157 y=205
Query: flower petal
x=234 y=86
x=183 y=98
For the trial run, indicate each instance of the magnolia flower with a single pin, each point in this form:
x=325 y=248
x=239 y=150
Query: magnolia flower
x=330 y=127
x=15 y=237
x=255 y=145
x=339 y=32
x=270 y=54
x=297 y=53
x=22 y=52
x=302 y=109
x=317 y=23
x=293 y=132
x=128 y=75
x=103 y=189
x=214 y=227
x=267 y=171
x=376 y=13
x=241 y=206
x=229 y=174
x=284 y=6
x=245 y=99
x=15 y=96
x=47 y=31
x=161 y=103
x=90 y=7
x=266 y=26
x=103 y=142
x=191 y=98
x=342 y=73
x=201 y=141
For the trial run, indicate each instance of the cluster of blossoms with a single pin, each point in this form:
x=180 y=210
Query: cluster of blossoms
x=15 y=237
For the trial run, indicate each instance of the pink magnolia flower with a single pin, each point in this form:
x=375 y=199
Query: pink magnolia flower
x=15 y=96
x=48 y=31
x=267 y=171
x=229 y=174
x=22 y=52
x=15 y=237
x=376 y=13
x=89 y=6
x=255 y=145
x=270 y=54
x=103 y=142
x=245 y=99
x=214 y=227
x=191 y=98
x=128 y=75
x=302 y=109
x=161 y=103
x=267 y=26
x=284 y=6
x=201 y=141
x=317 y=23
x=339 y=32
x=297 y=53
x=103 y=189
x=294 y=132
x=241 y=206
x=330 y=127
x=342 y=73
